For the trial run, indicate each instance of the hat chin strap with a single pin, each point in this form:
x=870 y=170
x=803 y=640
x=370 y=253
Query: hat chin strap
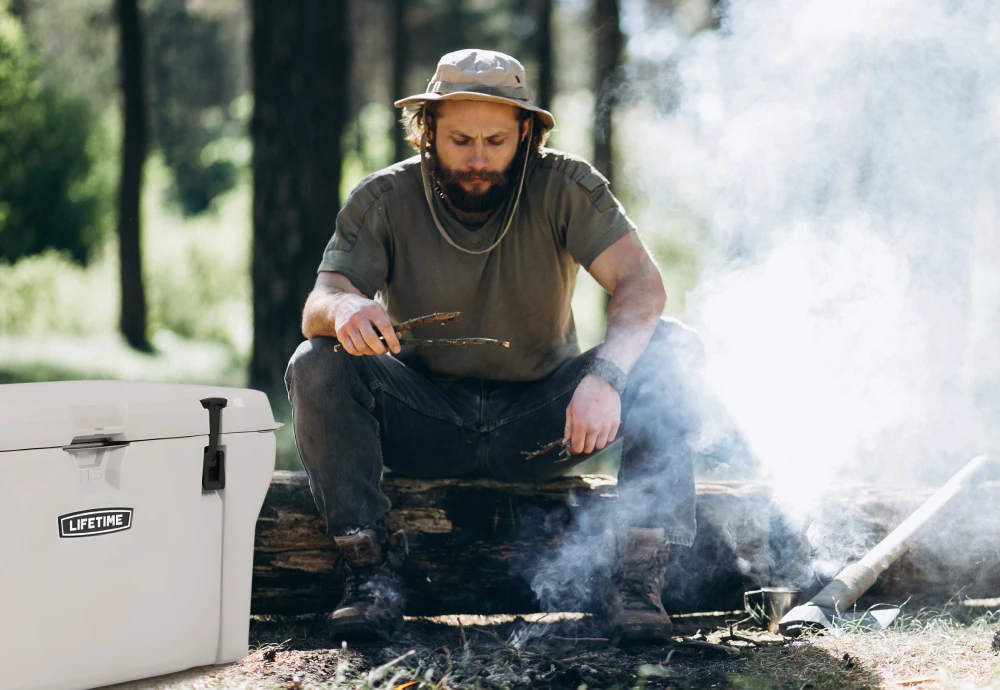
x=425 y=174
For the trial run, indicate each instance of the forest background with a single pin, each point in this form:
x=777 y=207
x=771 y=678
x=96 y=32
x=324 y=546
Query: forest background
x=111 y=102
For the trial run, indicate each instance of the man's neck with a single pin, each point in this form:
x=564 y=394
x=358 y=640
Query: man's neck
x=468 y=217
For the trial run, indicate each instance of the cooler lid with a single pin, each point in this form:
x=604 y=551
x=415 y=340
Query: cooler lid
x=51 y=415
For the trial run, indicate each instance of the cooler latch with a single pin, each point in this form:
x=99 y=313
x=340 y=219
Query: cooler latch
x=213 y=470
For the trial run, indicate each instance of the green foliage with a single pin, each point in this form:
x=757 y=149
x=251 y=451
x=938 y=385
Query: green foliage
x=52 y=195
x=196 y=275
x=196 y=65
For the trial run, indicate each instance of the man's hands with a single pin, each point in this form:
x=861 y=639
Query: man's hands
x=357 y=319
x=593 y=415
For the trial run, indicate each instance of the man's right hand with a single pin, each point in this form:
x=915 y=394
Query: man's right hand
x=359 y=321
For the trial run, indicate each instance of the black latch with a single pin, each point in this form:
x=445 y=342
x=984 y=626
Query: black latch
x=213 y=469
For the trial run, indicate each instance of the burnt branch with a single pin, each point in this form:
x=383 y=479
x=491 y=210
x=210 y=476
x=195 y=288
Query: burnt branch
x=442 y=342
x=440 y=317
x=564 y=453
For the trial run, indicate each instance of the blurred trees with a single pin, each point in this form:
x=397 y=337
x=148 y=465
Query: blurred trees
x=197 y=72
x=51 y=192
x=301 y=74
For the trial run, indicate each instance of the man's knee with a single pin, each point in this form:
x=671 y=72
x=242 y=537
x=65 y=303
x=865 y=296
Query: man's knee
x=678 y=340
x=314 y=360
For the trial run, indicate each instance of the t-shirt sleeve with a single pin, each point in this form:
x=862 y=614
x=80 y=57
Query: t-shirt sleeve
x=592 y=219
x=361 y=244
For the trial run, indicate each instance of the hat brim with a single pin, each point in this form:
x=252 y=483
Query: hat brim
x=547 y=118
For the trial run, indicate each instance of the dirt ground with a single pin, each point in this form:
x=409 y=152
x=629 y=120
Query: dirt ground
x=929 y=649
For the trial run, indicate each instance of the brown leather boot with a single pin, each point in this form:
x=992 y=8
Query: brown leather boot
x=372 y=605
x=631 y=586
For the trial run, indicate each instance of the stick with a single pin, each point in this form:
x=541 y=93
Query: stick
x=564 y=454
x=439 y=317
x=446 y=342
x=688 y=642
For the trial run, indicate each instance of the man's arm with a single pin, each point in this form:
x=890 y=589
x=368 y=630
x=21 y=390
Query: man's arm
x=337 y=309
x=628 y=273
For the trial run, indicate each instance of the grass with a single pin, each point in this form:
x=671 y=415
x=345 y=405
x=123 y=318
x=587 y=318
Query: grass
x=926 y=649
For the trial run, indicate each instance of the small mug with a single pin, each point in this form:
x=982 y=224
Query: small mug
x=768 y=605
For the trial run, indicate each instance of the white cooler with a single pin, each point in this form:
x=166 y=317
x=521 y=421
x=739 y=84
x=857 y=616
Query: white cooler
x=127 y=516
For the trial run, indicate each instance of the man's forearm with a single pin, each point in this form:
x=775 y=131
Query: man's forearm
x=635 y=309
x=318 y=315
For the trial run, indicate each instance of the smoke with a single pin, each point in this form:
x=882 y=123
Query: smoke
x=836 y=166
x=847 y=156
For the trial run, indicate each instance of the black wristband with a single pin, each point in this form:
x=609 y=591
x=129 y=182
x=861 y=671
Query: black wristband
x=609 y=372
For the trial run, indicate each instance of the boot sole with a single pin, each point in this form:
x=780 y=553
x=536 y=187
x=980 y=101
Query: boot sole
x=641 y=636
x=360 y=629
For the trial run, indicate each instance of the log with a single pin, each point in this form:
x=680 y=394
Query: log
x=475 y=544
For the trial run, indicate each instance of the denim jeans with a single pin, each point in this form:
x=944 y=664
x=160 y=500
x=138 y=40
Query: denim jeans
x=353 y=415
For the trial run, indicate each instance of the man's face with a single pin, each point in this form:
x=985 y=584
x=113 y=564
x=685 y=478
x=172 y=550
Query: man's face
x=475 y=143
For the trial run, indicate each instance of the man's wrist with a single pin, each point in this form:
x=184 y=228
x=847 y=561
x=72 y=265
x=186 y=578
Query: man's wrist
x=607 y=371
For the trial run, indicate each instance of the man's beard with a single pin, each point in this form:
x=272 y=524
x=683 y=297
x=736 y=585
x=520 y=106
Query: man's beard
x=448 y=184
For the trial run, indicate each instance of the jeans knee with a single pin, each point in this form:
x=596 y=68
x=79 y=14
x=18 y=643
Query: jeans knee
x=314 y=360
x=679 y=340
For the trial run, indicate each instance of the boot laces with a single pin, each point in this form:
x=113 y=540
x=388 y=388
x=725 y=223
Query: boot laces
x=638 y=588
x=359 y=587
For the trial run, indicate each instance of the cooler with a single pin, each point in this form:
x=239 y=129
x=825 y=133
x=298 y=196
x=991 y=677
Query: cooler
x=127 y=517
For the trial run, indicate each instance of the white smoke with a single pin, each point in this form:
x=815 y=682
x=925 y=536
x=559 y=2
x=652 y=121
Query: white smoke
x=843 y=158
x=836 y=166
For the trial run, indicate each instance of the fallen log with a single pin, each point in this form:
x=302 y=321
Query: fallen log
x=475 y=544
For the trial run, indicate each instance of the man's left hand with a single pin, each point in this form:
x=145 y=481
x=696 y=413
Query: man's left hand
x=593 y=415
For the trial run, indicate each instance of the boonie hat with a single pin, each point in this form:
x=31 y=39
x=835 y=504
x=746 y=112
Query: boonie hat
x=479 y=75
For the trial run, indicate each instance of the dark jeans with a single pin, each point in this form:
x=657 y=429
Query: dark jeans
x=352 y=415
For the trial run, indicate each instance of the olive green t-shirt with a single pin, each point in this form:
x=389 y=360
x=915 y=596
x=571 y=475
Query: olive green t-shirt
x=520 y=291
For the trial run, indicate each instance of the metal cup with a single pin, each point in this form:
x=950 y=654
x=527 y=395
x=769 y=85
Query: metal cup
x=769 y=605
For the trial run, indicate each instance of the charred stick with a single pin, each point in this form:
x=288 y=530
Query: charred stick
x=564 y=454
x=457 y=342
x=440 y=317
x=442 y=342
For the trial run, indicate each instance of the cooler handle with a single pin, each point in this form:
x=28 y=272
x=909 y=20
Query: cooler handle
x=213 y=470
x=91 y=443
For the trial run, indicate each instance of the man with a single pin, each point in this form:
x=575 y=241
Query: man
x=487 y=222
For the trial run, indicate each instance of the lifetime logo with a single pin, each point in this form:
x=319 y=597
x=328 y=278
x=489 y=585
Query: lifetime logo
x=90 y=523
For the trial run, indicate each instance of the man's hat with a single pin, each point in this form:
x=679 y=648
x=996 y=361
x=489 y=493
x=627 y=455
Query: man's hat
x=480 y=75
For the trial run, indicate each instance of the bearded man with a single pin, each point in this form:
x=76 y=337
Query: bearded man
x=488 y=222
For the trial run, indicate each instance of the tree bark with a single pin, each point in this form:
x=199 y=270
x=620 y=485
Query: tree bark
x=133 y=297
x=301 y=72
x=546 y=61
x=608 y=45
x=400 y=60
x=474 y=544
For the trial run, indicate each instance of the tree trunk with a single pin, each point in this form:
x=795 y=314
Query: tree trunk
x=133 y=298
x=400 y=60
x=301 y=73
x=546 y=62
x=608 y=44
